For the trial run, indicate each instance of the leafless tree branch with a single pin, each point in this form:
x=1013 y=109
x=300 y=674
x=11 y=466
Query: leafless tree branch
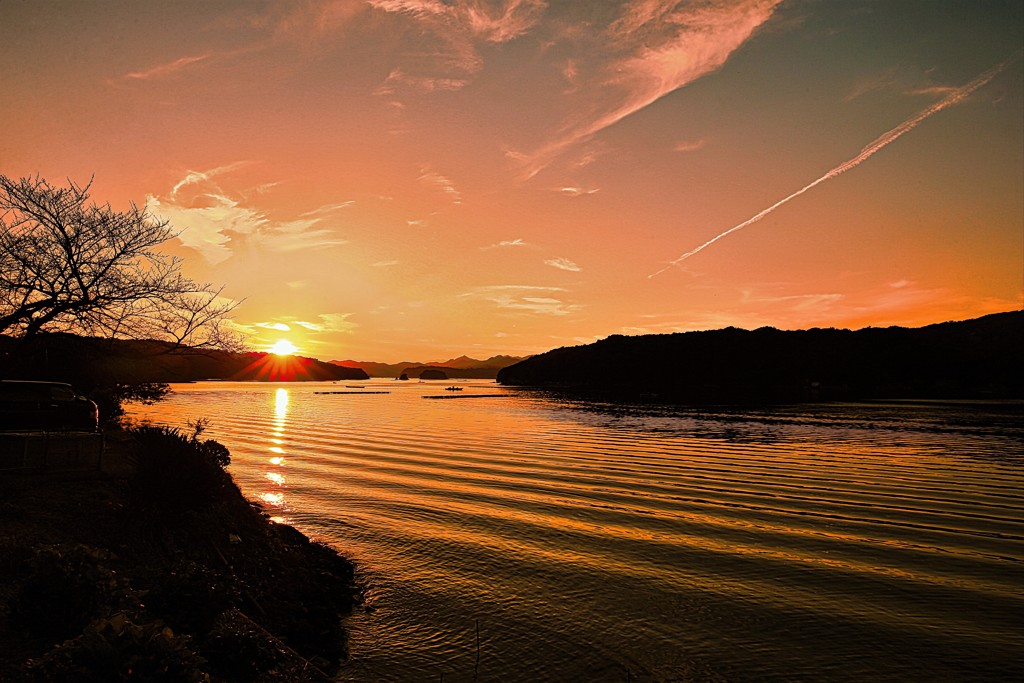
x=70 y=264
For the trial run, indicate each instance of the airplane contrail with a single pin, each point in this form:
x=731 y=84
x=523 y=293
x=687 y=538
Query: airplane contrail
x=949 y=100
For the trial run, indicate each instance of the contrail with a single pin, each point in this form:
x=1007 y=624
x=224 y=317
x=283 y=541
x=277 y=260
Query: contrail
x=949 y=100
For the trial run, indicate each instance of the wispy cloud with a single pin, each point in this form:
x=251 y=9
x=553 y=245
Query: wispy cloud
x=688 y=145
x=209 y=220
x=880 y=142
x=184 y=64
x=518 y=242
x=496 y=22
x=654 y=48
x=309 y=22
x=444 y=52
x=329 y=322
x=327 y=209
x=167 y=69
x=572 y=191
x=432 y=178
x=296 y=235
x=312 y=332
x=280 y=327
x=819 y=304
x=563 y=264
x=933 y=90
x=881 y=81
x=524 y=299
x=416 y=8
x=423 y=83
x=384 y=264
x=900 y=80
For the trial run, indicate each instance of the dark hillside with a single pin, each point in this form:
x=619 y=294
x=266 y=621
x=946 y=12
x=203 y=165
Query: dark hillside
x=978 y=358
x=97 y=361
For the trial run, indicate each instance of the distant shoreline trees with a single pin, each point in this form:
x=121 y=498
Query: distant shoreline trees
x=69 y=264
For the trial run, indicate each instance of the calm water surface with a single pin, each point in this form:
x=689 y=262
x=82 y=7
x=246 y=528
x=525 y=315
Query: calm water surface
x=880 y=542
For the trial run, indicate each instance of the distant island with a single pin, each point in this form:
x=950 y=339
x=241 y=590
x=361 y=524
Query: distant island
x=972 y=359
x=462 y=367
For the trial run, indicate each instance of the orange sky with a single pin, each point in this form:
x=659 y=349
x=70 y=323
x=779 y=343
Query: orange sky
x=417 y=179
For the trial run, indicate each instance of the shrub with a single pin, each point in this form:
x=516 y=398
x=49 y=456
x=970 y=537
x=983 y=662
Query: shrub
x=175 y=473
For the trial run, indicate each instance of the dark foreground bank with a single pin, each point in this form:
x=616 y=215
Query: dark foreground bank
x=160 y=570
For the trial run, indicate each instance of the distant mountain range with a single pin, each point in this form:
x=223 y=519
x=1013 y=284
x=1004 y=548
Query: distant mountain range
x=462 y=367
x=978 y=358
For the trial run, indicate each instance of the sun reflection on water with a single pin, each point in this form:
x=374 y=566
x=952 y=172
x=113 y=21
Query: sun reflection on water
x=274 y=476
x=275 y=499
x=280 y=404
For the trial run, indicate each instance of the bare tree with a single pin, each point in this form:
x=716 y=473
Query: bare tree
x=69 y=264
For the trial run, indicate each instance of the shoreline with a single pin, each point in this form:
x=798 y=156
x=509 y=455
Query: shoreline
x=143 y=565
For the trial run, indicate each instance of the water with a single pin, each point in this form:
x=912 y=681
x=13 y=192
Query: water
x=527 y=538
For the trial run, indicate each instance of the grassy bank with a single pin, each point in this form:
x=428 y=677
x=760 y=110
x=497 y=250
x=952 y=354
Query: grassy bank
x=160 y=570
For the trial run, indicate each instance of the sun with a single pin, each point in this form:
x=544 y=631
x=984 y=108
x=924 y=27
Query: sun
x=283 y=347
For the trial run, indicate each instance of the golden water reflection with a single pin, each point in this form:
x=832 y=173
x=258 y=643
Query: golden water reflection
x=275 y=499
x=280 y=404
x=275 y=496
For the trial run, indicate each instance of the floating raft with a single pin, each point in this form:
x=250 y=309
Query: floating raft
x=359 y=393
x=469 y=396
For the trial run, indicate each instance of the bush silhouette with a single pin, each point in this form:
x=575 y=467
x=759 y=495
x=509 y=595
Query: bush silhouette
x=175 y=473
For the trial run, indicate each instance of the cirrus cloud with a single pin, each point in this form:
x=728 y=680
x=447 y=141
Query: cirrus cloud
x=209 y=220
x=563 y=264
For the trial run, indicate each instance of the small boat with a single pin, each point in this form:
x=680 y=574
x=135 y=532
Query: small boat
x=453 y=388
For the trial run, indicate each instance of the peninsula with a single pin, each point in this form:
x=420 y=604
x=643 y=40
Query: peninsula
x=977 y=358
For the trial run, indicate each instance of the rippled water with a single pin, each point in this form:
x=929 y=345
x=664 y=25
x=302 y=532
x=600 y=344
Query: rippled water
x=526 y=538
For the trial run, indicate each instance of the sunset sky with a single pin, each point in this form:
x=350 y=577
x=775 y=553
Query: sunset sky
x=418 y=179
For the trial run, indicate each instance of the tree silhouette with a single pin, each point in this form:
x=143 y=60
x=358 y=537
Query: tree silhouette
x=68 y=264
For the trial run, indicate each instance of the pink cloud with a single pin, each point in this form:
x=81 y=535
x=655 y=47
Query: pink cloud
x=654 y=48
x=444 y=51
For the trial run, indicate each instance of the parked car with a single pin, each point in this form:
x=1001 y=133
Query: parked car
x=45 y=406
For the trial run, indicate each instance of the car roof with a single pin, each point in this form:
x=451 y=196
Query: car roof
x=28 y=390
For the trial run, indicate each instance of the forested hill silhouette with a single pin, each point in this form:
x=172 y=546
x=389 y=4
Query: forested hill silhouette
x=978 y=358
x=91 y=361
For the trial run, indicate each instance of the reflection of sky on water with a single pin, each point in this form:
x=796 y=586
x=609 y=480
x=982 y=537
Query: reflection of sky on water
x=274 y=477
x=912 y=422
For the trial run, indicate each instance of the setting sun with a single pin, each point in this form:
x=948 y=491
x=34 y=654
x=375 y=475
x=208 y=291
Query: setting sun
x=283 y=347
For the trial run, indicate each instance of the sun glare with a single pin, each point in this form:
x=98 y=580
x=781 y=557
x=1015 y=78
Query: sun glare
x=283 y=347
